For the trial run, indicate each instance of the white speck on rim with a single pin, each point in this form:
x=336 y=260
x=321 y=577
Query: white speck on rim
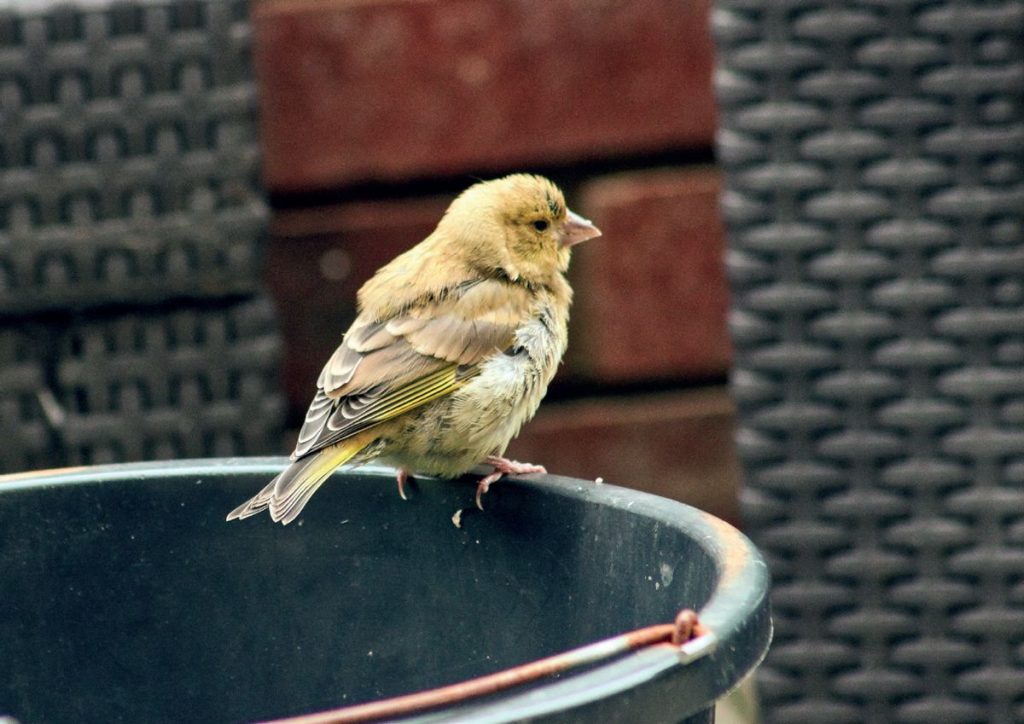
x=667 y=574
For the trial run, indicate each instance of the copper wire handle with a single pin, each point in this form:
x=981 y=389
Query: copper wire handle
x=683 y=633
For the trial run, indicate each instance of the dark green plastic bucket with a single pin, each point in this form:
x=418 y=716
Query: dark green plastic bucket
x=126 y=597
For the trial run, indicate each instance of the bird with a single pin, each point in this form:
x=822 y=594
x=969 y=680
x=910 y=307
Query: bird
x=453 y=347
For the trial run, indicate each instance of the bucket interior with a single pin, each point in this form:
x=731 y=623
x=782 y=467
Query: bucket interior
x=131 y=598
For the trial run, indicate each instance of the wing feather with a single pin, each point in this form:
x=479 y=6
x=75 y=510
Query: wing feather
x=385 y=368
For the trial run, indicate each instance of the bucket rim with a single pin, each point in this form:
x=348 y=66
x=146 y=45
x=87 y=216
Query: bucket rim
x=736 y=614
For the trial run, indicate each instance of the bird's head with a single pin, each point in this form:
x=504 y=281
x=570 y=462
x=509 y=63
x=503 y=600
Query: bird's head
x=518 y=224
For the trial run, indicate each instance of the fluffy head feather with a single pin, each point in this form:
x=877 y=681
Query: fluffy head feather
x=512 y=224
x=516 y=227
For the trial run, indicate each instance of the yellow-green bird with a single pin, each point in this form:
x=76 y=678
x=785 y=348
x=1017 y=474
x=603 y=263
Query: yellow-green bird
x=453 y=348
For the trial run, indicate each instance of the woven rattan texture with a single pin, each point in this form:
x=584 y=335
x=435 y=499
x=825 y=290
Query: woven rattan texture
x=27 y=443
x=875 y=204
x=178 y=384
x=160 y=385
x=128 y=154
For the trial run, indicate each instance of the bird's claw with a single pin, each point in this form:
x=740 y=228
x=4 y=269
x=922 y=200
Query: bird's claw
x=484 y=485
x=503 y=466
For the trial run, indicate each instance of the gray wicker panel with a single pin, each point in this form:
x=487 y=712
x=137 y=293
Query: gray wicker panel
x=27 y=442
x=128 y=154
x=185 y=383
x=874 y=157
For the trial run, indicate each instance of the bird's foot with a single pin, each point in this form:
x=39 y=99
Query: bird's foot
x=513 y=467
x=503 y=466
x=402 y=476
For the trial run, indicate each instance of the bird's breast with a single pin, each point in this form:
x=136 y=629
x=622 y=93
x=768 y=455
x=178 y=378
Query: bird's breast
x=512 y=383
x=451 y=435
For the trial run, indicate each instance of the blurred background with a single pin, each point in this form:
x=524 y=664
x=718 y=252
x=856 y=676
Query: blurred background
x=375 y=114
x=192 y=191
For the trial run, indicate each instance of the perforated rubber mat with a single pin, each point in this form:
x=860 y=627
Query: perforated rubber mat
x=128 y=154
x=874 y=157
x=132 y=325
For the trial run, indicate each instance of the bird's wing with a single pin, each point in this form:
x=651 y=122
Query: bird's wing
x=385 y=368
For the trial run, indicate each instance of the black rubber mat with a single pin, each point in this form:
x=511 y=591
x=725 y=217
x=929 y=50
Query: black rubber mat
x=161 y=385
x=27 y=443
x=874 y=157
x=180 y=384
x=128 y=154
x=132 y=324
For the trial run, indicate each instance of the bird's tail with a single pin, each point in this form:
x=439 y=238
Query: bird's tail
x=287 y=494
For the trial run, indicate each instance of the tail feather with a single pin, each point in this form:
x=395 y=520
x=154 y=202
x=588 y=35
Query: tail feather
x=286 y=495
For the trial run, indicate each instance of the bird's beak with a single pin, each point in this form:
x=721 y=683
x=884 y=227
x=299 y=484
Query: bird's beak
x=577 y=229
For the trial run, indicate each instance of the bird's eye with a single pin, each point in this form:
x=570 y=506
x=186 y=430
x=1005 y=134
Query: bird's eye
x=540 y=225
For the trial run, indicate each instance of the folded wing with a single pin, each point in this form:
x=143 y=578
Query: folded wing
x=385 y=368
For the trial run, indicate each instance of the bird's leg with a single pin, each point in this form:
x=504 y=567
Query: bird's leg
x=503 y=466
x=402 y=476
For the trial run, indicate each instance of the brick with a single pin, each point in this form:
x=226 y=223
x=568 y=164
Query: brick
x=398 y=89
x=651 y=294
x=315 y=263
x=678 y=445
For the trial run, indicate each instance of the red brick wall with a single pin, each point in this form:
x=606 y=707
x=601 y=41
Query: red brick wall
x=374 y=113
x=652 y=301
x=399 y=89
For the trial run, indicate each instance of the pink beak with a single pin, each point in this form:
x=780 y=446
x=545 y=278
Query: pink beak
x=577 y=229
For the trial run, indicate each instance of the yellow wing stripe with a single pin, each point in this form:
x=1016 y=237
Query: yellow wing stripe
x=423 y=390
x=419 y=392
x=290 y=498
x=287 y=493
